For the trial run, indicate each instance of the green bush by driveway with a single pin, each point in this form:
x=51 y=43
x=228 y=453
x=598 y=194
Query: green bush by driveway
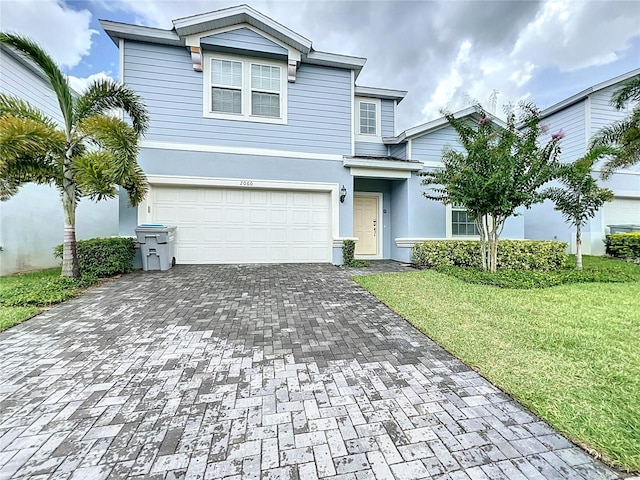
x=623 y=245
x=595 y=269
x=512 y=254
x=569 y=353
x=104 y=257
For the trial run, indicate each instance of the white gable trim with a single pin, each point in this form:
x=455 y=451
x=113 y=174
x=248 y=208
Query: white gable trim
x=240 y=14
x=194 y=40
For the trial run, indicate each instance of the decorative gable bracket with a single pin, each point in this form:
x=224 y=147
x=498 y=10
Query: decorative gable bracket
x=196 y=58
x=291 y=70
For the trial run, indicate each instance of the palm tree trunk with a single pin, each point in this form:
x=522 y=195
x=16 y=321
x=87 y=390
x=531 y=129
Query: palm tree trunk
x=70 y=266
x=578 y=249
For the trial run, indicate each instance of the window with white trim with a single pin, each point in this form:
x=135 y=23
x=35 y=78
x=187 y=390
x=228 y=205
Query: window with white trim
x=238 y=88
x=265 y=90
x=367 y=118
x=226 y=86
x=461 y=222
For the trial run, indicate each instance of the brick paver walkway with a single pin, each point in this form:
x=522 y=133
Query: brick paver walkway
x=290 y=372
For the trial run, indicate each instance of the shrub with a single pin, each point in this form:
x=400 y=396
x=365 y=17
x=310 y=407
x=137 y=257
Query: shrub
x=512 y=254
x=623 y=245
x=104 y=257
x=348 y=250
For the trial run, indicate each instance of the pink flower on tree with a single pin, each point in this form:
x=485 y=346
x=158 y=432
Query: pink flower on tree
x=559 y=135
x=483 y=121
x=544 y=128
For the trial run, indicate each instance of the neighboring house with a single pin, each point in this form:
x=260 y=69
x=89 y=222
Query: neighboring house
x=31 y=223
x=580 y=117
x=262 y=149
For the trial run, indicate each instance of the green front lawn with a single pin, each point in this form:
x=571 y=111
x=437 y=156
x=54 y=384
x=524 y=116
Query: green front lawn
x=23 y=296
x=570 y=353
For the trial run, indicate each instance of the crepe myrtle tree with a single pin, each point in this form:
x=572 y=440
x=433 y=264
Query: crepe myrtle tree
x=499 y=170
x=88 y=155
x=579 y=197
x=623 y=134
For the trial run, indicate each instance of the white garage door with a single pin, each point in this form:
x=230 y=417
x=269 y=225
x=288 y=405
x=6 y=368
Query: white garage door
x=218 y=225
x=622 y=211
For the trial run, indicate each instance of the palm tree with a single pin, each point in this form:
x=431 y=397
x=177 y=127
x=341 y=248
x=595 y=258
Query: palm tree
x=89 y=155
x=580 y=197
x=625 y=133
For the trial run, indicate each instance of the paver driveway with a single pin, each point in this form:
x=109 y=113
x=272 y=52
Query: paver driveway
x=248 y=371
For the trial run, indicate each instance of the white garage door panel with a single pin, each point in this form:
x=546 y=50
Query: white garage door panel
x=217 y=225
x=622 y=211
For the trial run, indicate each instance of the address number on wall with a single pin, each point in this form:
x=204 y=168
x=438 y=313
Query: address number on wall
x=246 y=183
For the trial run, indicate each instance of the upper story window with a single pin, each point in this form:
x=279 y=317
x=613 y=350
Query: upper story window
x=226 y=86
x=239 y=88
x=367 y=118
x=265 y=90
x=367 y=121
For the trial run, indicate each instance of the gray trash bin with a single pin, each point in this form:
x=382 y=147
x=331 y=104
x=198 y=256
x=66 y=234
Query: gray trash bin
x=157 y=246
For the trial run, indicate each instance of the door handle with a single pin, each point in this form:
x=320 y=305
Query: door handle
x=375 y=222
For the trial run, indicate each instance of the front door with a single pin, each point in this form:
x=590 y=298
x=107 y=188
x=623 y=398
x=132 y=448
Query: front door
x=366 y=224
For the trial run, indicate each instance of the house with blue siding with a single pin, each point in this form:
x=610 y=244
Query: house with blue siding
x=31 y=222
x=263 y=149
x=580 y=117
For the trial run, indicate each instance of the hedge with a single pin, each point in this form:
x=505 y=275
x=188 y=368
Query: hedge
x=348 y=251
x=104 y=257
x=623 y=245
x=512 y=254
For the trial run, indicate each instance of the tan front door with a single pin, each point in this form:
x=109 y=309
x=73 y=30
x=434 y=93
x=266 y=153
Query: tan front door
x=366 y=224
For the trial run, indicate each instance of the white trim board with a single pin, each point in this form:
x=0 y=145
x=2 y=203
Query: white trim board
x=195 y=147
x=378 y=173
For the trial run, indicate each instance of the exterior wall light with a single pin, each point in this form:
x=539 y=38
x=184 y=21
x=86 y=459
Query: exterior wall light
x=343 y=194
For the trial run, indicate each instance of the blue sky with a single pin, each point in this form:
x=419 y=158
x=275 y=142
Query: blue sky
x=445 y=53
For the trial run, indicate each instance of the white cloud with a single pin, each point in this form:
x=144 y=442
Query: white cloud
x=81 y=84
x=62 y=32
x=446 y=54
x=575 y=35
x=562 y=36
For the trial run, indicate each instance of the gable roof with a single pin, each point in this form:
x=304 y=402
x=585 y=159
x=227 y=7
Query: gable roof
x=241 y=14
x=29 y=65
x=567 y=102
x=386 y=93
x=230 y=17
x=425 y=128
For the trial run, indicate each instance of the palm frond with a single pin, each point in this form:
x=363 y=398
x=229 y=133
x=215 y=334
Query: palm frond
x=29 y=152
x=48 y=66
x=116 y=137
x=27 y=138
x=105 y=95
x=34 y=169
x=91 y=173
x=630 y=90
x=611 y=134
x=626 y=158
x=10 y=105
x=136 y=185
